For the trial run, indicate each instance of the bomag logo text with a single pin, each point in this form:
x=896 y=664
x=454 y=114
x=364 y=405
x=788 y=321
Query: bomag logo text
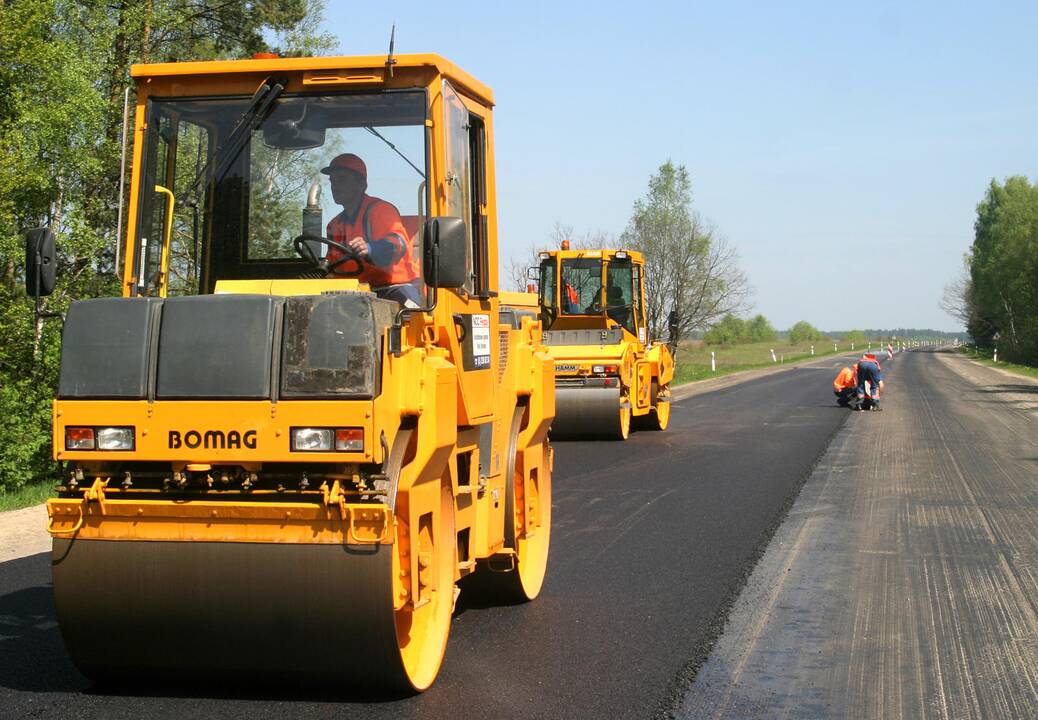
x=212 y=439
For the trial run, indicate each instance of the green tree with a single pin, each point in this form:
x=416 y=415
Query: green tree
x=1003 y=263
x=690 y=270
x=760 y=329
x=804 y=331
x=855 y=336
x=63 y=67
x=730 y=330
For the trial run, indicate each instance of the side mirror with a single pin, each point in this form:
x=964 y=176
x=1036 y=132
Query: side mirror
x=444 y=244
x=40 y=262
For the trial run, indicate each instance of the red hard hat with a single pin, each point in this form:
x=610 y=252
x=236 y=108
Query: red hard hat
x=347 y=161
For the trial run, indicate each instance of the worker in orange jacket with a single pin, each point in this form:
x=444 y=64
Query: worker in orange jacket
x=845 y=387
x=373 y=230
x=870 y=382
x=571 y=300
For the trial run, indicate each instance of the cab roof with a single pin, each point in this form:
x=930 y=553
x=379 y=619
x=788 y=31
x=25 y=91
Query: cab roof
x=376 y=63
x=608 y=254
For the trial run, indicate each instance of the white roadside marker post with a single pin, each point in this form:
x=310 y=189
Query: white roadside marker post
x=713 y=362
x=773 y=358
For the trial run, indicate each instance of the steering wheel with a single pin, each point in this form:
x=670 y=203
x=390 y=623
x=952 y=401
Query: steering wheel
x=596 y=304
x=302 y=247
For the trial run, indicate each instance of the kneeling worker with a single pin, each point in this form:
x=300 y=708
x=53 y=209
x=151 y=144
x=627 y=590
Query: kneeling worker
x=870 y=382
x=372 y=228
x=845 y=387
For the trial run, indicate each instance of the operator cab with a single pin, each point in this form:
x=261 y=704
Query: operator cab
x=582 y=289
x=231 y=187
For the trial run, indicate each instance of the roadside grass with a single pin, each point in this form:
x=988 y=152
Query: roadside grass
x=26 y=496
x=694 y=357
x=984 y=357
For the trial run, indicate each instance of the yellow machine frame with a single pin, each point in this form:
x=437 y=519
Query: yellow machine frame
x=606 y=380
x=463 y=454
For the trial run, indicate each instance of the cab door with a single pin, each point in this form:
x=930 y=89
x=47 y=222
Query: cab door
x=474 y=342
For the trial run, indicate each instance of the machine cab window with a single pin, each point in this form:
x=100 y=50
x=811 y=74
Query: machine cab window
x=580 y=290
x=619 y=293
x=228 y=185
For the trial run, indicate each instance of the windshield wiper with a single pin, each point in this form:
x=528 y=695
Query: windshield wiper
x=259 y=108
x=382 y=137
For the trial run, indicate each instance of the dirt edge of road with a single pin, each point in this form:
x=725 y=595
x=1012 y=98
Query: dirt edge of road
x=671 y=703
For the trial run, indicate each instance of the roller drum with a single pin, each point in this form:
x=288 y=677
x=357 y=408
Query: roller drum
x=320 y=614
x=587 y=412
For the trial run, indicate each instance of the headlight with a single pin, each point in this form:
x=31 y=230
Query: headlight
x=328 y=439
x=312 y=439
x=115 y=438
x=349 y=439
x=99 y=438
x=79 y=438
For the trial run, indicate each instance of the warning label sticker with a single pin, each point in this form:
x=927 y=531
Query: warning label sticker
x=481 y=341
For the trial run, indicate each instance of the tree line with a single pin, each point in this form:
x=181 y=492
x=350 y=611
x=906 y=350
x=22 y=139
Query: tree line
x=733 y=330
x=996 y=294
x=64 y=65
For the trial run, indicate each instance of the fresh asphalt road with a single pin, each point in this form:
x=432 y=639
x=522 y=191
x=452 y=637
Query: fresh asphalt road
x=651 y=541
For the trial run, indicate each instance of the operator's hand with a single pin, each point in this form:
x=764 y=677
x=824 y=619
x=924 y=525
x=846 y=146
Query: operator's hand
x=360 y=246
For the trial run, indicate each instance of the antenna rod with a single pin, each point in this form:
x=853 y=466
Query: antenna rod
x=390 y=62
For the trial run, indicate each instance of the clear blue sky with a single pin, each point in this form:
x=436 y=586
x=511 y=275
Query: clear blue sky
x=841 y=150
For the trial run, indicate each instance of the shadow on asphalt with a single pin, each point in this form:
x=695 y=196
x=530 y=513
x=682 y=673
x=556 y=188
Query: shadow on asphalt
x=252 y=692
x=33 y=658
x=32 y=654
x=991 y=389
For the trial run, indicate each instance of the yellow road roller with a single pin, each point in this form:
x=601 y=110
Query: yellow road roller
x=311 y=413
x=607 y=372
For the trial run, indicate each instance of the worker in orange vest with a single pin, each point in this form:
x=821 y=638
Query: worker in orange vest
x=870 y=382
x=373 y=230
x=845 y=387
x=571 y=300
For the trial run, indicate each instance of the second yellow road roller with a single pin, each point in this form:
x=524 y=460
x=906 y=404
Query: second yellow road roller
x=608 y=374
x=310 y=414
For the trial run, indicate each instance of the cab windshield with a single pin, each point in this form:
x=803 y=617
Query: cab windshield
x=580 y=290
x=237 y=188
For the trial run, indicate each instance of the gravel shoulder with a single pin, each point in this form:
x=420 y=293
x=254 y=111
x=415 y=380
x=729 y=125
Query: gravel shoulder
x=23 y=532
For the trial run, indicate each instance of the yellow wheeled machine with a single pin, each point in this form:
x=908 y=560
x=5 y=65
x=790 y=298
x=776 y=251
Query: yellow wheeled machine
x=274 y=472
x=607 y=373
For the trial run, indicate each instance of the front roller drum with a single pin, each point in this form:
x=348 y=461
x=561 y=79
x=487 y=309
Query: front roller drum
x=316 y=614
x=160 y=610
x=590 y=412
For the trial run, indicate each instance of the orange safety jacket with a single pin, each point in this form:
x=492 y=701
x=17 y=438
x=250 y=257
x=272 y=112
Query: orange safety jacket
x=377 y=221
x=571 y=294
x=847 y=378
